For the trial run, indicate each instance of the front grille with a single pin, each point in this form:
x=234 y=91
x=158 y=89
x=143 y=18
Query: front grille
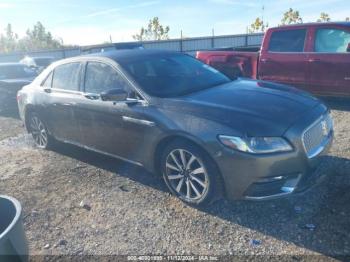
x=316 y=137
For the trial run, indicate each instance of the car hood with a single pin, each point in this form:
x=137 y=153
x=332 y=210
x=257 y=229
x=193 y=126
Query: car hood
x=254 y=108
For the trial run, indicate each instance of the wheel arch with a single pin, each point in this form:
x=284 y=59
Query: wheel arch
x=29 y=109
x=188 y=139
x=177 y=137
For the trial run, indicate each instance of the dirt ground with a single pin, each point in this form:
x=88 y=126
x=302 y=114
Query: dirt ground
x=81 y=203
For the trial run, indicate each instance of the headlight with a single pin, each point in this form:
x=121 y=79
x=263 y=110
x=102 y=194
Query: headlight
x=256 y=145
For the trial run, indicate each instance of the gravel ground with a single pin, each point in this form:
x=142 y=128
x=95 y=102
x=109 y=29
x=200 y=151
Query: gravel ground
x=81 y=203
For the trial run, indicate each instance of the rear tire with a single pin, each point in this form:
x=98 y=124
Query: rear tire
x=38 y=130
x=190 y=173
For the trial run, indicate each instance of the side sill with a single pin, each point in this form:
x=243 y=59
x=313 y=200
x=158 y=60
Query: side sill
x=99 y=151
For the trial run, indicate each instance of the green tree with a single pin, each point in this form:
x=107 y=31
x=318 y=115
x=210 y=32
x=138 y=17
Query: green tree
x=291 y=17
x=154 y=31
x=324 y=17
x=257 y=26
x=36 y=38
x=8 y=42
x=39 y=38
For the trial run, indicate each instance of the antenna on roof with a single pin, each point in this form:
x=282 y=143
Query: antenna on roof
x=262 y=14
x=262 y=17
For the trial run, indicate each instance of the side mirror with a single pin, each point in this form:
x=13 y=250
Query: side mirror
x=116 y=94
x=348 y=48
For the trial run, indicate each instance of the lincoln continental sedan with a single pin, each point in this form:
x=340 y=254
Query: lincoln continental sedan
x=208 y=136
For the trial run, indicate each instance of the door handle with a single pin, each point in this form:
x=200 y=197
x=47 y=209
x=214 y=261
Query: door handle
x=47 y=90
x=92 y=96
x=264 y=60
x=314 y=60
x=64 y=104
x=138 y=121
x=347 y=78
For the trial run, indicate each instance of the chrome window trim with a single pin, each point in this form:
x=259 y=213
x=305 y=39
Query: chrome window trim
x=60 y=90
x=115 y=66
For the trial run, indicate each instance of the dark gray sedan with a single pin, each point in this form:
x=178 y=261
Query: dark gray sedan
x=168 y=112
x=13 y=76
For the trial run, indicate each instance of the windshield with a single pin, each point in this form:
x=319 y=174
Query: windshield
x=171 y=75
x=16 y=72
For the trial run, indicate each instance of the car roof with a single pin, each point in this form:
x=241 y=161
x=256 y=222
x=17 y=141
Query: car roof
x=344 y=23
x=130 y=54
x=115 y=55
x=117 y=46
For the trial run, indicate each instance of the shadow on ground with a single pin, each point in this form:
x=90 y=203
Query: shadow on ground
x=316 y=220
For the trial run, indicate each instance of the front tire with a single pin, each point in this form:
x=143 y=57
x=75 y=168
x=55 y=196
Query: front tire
x=190 y=174
x=38 y=130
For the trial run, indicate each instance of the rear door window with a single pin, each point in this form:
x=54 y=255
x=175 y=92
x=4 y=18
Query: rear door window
x=288 y=41
x=67 y=77
x=101 y=77
x=331 y=41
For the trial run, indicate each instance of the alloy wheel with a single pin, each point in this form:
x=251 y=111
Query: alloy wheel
x=187 y=175
x=38 y=132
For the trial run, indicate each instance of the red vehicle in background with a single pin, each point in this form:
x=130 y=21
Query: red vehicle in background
x=314 y=57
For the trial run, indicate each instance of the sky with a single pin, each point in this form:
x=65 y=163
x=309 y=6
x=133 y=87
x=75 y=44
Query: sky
x=85 y=22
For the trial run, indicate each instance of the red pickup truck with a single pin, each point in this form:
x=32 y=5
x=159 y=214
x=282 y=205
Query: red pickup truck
x=314 y=57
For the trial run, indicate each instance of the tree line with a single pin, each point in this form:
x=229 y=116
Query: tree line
x=155 y=31
x=289 y=17
x=38 y=38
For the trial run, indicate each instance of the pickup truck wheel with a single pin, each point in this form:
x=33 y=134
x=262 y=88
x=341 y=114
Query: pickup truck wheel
x=39 y=132
x=190 y=174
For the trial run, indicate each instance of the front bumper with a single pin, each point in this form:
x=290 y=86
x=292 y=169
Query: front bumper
x=290 y=183
x=259 y=177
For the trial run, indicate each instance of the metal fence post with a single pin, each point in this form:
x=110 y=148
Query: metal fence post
x=212 y=38
x=181 y=47
x=246 y=40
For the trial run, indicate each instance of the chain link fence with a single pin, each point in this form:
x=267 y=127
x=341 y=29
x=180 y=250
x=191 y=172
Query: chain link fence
x=187 y=45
